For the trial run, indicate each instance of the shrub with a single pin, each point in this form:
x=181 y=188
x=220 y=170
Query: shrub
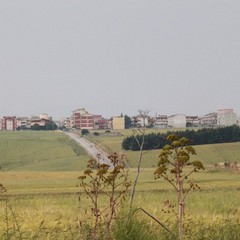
x=84 y=131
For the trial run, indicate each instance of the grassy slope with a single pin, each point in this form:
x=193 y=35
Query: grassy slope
x=208 y=154
x=40 y=151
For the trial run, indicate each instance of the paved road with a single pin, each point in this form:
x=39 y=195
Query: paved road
x=90 y=148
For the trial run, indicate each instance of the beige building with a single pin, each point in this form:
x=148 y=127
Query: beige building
x=177 y=121
x=118 y=123
x=226 y=117
x=45 y=116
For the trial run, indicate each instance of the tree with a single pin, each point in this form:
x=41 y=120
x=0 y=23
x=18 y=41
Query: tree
x=36 y=127
x=84 y=131
x=175 y=167
x=50 y=126
x=189 y=124
x=62 y=128
x=201 y=136
x=128 y=122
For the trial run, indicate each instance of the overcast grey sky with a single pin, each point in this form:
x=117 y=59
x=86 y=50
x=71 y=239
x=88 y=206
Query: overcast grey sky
x=118 y=56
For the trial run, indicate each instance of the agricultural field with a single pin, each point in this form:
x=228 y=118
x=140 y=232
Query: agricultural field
x=52 y=200
x=40 y=151
x=40 y=172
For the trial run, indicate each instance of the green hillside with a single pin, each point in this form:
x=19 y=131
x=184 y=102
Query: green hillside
x=208 y=154
x=53 y=151
x=40 y=151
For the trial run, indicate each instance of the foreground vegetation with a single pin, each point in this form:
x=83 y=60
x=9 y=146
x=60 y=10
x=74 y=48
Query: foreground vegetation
x=44 y=204
x=51 y=199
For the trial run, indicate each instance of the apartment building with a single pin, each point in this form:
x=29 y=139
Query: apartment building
x=45 y=116
x=118 y=123
x=161 y=121
x=82 y=119
x=209 y=120
x=192 y=121
x=23 y=123
x=226 y=117
x=9 y=123
x=100 y=123
x=41 y=122
x=67 y=123
x=177 y=121
x=140 y=121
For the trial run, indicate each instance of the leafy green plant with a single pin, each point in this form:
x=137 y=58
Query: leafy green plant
x=175 y=167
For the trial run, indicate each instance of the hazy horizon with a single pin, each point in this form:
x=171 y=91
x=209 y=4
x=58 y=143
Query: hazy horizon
x=114 y=57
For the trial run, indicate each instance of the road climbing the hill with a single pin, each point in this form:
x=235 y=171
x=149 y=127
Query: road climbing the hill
x=90 y=148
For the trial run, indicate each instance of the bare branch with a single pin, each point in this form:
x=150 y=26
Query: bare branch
x=156 y=220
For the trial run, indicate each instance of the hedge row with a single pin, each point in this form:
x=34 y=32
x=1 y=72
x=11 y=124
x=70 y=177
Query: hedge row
x=199 y=137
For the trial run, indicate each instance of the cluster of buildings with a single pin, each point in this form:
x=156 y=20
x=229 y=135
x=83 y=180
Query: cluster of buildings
x=221 y=118
x=12 y=123
x=82 y=119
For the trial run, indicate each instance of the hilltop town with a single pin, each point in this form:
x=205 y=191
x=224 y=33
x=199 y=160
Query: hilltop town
x=82 y=119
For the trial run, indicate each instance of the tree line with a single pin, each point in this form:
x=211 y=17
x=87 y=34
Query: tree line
x=37 y=127
x=199 y=137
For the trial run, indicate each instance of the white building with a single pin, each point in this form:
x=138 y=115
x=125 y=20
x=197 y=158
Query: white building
x=140 y=121
x=65 y=122
x=161 y=121
x=22 y=122
x=177 y=121
x=226 y=117
x=192 y=121
x=209 y=120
